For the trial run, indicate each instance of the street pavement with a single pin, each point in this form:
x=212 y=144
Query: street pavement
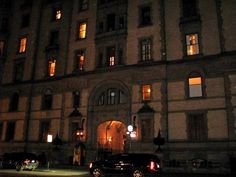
x=83 y=172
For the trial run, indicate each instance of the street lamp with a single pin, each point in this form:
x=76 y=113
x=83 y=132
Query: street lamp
x=49 y=141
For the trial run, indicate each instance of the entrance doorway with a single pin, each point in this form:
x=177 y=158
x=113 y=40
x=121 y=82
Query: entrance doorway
x=111 y=136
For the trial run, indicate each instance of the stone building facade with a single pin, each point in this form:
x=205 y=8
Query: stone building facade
x=83 y=70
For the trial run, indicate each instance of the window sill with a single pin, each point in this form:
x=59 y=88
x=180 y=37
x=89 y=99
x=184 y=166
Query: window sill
x=196 y=56
x=192 y=19
x=145 y=25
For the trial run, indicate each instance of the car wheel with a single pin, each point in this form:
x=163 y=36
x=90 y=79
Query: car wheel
x=138 y=173
x=19 y=167
x=97 y=172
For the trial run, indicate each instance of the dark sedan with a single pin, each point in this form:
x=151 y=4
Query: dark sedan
x=130 y=164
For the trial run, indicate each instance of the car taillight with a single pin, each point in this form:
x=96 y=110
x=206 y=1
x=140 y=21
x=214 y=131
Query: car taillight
x=153 y=166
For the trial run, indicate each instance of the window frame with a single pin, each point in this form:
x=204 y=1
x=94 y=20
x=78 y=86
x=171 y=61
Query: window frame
x=143 y=56
x=197 y=44
x=143 y=93
x=43 y=134
x=10 y=133
x=55 y=14
x=78 y=64
x=22 y=46
x=81 y=4
x=80 y=30
x=47 y=100
x=18 y=73
x=199 y=127
x=141 y=21
x=14 y=102
x=195 y=74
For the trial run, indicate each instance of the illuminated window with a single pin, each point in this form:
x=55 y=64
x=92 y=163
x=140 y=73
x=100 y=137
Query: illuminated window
x=82 y=30
x=2 y=46
x=146 y=48
x=192 y=44
x=195 y=87
x=22 y=47
x=146 y=92
x=51 y=67
x=111 y=56
x=58 y=14
x=80 y=60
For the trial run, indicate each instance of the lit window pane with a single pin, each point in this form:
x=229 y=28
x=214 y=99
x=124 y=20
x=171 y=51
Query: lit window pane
x=22 y=45
x=112 y=61
x=58 y=14
x=52 y=67
x=146 y=90
x=195 y=87
x=82 y=30
x=192 y=44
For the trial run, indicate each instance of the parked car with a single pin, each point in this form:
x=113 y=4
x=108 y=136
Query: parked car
x=130 y=164
x=20 y=161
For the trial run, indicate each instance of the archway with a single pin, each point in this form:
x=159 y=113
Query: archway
x=111 y=136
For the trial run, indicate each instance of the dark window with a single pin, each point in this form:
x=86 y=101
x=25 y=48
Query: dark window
x=122 y=97
x=121 y=22
x=18 y=71
x=196 y=127
x=100 y=27
x=74 y=128
x=111 y=56
x=79 y=60
x=146 y=49
x=44 y=131
x=10 y=133
x=145 y=16
x=189 y=8
x=1 y=130
x=101 y=99
x=100 y=60
x=14 y=102
x=4 y=24
x=83 y=5
x=146 y=133
x=111 y=18
x=25 y=20
x=2 y=48
x=47 y=100
x=76 y=99
x=54 y=36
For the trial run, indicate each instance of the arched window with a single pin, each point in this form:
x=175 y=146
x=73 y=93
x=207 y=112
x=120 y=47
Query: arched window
x=14 y=101
x=195 y=85
x=112 y=96
x=47 y=100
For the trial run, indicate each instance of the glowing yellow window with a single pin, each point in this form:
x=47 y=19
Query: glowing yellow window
x=146 y=91
x=82 y=30
x=192 y=44
x=58 y=14
x=22 y=47
x=51 y=67
x=195 y=86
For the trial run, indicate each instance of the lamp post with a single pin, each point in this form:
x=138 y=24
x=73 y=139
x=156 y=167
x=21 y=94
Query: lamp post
x=131 y=133
x=49 y=141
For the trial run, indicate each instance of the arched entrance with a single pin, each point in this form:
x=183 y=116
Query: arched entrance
x=111 y=136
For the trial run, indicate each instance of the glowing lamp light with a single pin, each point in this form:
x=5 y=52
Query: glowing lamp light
x=130 y=128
